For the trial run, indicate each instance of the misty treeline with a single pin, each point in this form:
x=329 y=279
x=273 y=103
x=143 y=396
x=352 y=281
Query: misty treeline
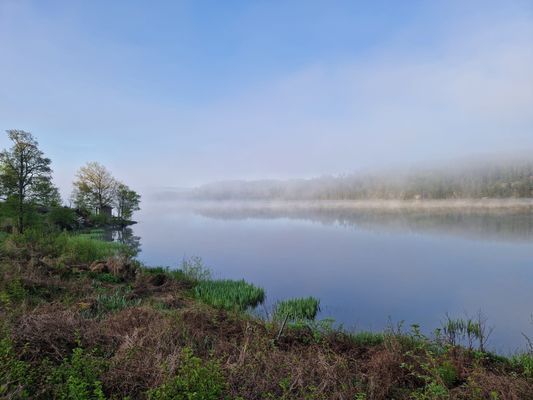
x=28 y=196
x=488 y=179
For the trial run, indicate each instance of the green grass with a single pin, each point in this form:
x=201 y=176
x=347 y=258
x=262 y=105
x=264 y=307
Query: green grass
x=86 y=249
x=305 y=308
x=112 y=302
x=525 y=362
x=229 y=294
x=366 y=338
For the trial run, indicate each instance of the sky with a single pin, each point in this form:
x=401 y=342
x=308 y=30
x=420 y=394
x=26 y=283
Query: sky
x=180 y=93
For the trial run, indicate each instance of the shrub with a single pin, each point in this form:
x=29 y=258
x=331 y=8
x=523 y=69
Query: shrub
x=194 y=380
x=229 y=294
x=14 y=374
x=194 y=269
x=77 y=378
x=524 y=362
x=447 y=373
x=63 y=218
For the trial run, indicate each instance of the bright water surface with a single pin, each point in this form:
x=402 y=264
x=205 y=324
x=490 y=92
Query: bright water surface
x=364 y=266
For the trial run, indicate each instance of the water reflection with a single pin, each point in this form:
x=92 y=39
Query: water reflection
x=124 y=236
x=478 y=224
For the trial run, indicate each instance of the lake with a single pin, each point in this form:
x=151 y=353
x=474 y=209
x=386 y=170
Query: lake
x=365 y=265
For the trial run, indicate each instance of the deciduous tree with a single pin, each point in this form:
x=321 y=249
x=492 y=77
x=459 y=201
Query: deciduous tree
x=126 y=201
x=94 y=188
x=25 y=173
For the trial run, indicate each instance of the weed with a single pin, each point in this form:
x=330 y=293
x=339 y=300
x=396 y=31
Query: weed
x=112 y=302
x=368 y=338
x=524 y=362
x=194 y=269
x=194 y=380
x=14 y=374
x=77 y=378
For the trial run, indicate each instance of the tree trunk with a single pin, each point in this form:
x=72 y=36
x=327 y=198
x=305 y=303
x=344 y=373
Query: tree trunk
x=21 y=213
x=21 y=195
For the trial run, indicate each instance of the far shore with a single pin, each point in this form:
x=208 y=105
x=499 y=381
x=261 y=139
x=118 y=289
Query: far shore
x=446 y=205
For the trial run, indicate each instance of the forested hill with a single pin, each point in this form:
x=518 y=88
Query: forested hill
x=475 y=181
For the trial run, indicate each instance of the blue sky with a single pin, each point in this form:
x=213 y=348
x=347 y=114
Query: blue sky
x=170 y=93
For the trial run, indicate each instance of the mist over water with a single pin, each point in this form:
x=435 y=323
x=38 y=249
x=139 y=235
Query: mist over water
x=366 y=264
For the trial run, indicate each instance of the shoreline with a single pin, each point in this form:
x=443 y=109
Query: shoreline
x=448 y=205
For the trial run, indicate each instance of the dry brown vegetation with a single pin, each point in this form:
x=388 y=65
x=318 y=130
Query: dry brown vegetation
x=47 y=313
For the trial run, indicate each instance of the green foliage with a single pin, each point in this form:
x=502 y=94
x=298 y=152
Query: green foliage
x=432 y=391
x=78 y=378
x=105 y=277
x=366 y=338
x=26 y=176
x=63 y=218
x=14 y=374
x=297 y=309
x=457 y=330
x=176 y=274
x=194 y=380
x=100 y=219
x=229 y=294
x=524 y=362
x=85 y=249
x=126 y=201
x=447 y=373
x=113 y=302
x=194 y=269
x=14 y=292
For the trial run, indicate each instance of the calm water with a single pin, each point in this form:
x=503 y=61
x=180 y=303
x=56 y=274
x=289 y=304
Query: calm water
x=365 y=266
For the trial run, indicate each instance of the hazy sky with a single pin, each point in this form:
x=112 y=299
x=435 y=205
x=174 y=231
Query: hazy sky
x=170 y=93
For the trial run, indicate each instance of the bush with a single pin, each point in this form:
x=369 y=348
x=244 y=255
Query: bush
x=194 y=380
x=77 y=378
x=194 y=269
x=14 y=374
x=63 y=218
x=524 y=362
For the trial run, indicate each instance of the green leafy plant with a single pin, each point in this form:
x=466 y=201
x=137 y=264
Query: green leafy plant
x=194 y=380
x=14 y=373
x=77 y=378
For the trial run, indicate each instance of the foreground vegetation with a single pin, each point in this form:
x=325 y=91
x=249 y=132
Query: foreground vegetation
x=82 y=320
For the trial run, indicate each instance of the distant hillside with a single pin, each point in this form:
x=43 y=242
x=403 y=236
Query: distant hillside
x=488 y=179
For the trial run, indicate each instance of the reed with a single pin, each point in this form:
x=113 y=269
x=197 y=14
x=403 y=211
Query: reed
x=298 y=309
x=229 y=294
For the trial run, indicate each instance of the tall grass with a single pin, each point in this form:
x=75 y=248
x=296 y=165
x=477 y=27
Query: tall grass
x=298 y=309
x=112 y=302
x=85 y=249
x=229 y=294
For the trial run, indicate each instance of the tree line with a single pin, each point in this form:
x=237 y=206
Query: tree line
x=487 y=179
x=27 y=189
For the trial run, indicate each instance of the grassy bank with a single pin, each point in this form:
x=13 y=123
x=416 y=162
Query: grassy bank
x=82 y=320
